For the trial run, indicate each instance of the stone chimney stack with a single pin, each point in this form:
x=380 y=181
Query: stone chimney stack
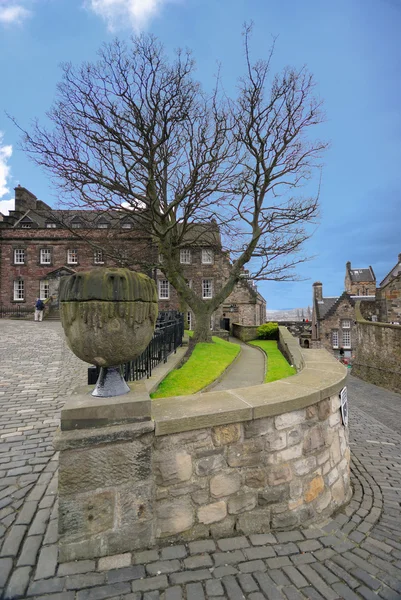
x=399 y=258
x=348 y=266
x=24 y=199
x=318 y=291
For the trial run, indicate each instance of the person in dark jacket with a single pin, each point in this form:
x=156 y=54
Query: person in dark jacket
x=39 y=308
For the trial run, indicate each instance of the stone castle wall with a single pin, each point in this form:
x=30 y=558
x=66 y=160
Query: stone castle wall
x=378 y=353
x=268 y=457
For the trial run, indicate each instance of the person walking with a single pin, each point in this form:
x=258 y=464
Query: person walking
x=39 y=308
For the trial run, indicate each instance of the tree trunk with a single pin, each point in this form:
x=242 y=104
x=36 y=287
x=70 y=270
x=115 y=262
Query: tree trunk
x=202 y=331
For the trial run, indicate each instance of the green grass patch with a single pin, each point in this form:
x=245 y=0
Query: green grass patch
x=277 y=366
x=206 y=363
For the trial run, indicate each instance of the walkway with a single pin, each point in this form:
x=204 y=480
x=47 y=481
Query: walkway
x=248 y=369
x=356 y=555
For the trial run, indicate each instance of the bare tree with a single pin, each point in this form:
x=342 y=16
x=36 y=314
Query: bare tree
x=135 y=132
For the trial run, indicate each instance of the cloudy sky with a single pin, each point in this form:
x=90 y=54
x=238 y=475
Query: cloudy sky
x=351 y=46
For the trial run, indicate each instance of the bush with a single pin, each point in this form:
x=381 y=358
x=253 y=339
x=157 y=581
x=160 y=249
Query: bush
x=268 y=331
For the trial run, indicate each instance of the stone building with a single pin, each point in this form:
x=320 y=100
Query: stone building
x=389 y=295
x=39 y=244
x=333 y=317
x=359 y=282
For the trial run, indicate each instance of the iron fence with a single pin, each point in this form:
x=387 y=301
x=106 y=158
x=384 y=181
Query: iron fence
x=15 y=311
x=166 y=339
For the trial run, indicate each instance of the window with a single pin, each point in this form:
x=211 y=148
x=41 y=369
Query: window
x=164 y=289
x=44 y=289
x=45 y=256
x=334 y=338
x=185 y=256
x=102 y=225
x=161 y=259
x=98 y=257
x=76 y=225
x=72 y=257
x=346 y=339
x=346 y=324
x=207 y=288
x=19 y=289
x=51 y=225
x=126 y=226
x=190 y=283
x=26 y=225
x=189 y=320
x=207 y=256
x=19 y=256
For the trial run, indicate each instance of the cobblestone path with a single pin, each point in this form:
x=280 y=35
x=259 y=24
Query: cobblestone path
x=356 y=555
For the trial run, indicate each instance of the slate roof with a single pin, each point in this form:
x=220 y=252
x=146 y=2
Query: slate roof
x=362 y=275
x=327 y=306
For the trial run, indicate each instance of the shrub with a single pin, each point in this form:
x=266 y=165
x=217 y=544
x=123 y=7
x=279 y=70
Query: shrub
x=268 y=331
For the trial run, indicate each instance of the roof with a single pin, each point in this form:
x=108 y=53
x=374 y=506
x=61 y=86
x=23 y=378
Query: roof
x=324 y=305
x=362 y=275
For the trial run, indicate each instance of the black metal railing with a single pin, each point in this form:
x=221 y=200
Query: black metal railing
x=166 y=339
x=15 y=311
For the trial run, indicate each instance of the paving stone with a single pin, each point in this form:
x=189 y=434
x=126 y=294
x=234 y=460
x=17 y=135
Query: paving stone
x=228 y=558
x=277 y=563
x=103 y=592
x=194 y=591
x=286 y=549
x=145 y=556
x=197 y=562
x=163 y=566
x=268 y=586
x=171 y=552
x=114 y=562
x=46 y=586
x=366 y=578
x=13 y=540
x=76 y=567
x=251 y=566
x=77 y=582
x=317 y=582
x=5 y=570
x=201 y=546
x=235 y=543
x=291 y=593
x=220 y=572
x=126 y=574
x=260 y=539
x=30 y=550
x=247 y=583
x=47 y=563
x=233 y=590
x=189 y=576
x=173 y=593
x=18 y=583
x=259 y=552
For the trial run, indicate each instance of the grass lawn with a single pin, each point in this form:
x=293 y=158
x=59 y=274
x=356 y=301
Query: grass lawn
x=277 y=366
x=205 y=364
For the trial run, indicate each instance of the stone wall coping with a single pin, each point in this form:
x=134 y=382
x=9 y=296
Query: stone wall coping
x=362 y=321
x=85 y=438
x=321 y=377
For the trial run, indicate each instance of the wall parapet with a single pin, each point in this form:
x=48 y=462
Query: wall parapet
x=245 y=333
x=268 y=457
x=378 y=354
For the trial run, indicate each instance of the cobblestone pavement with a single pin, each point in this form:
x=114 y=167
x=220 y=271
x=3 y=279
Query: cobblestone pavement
x=356 y=555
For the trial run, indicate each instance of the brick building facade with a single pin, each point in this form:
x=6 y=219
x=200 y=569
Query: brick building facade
x=38 y=245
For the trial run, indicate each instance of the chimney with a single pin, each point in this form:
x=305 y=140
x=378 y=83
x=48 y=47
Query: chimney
x=399 y=258
x=348 y=266
x=24 y=199
x=318 y=290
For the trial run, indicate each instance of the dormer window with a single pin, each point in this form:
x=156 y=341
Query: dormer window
x=76 y=223
x=102 y=224
x=50 y=225
x=26 y=225
x=126 y=225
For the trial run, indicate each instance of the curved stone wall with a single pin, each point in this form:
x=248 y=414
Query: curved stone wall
x=249 y=460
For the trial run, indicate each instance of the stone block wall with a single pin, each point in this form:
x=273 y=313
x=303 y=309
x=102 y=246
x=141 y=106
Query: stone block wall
x=378 y=354
x=266 y=474
x=245 y=333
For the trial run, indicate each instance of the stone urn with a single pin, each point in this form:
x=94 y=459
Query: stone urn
x=108 y=316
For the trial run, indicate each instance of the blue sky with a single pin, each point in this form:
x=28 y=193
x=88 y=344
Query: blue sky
x=351 y=46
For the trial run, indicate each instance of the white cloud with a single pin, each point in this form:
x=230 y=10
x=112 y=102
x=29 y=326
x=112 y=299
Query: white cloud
x=5 y=155
x=13 y=14
x=6 y=205
x=119 y=13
